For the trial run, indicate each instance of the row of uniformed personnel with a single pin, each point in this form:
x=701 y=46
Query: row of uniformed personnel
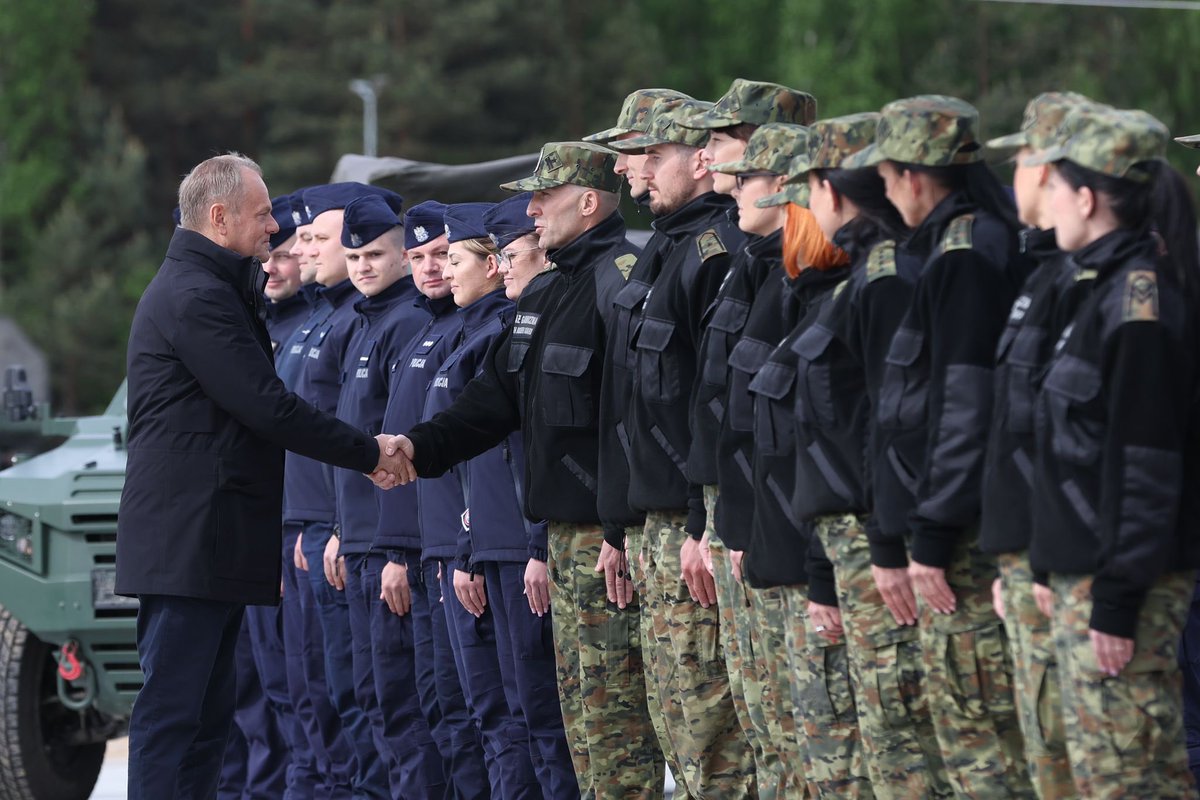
x=778 y=459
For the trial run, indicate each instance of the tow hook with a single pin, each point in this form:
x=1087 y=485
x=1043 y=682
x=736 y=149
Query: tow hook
x=69 y=666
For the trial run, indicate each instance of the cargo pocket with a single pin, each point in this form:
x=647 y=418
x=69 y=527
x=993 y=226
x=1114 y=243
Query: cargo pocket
x=1072 y=384
x=773 y=427
x=829 y=697
x=886 y=677
x=621 y=658
x=904 y=391
x=814 y=387
x=1019 y=387
x=745 y=361
x=728 y=319
x=978 y=672
x=1123 y=718
x=658 y=368
x=565 y=391
x=627 y=301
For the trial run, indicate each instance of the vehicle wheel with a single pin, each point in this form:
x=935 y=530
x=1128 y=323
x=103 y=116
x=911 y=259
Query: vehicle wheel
x=37 y=759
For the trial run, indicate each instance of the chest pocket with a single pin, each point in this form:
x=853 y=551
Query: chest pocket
x=658 y=367
x=1020 y=384
x=814 y=380
x=1069 y=394
x=905 y=389
x=566 y=391
x=774 y=424
x=728 y=319
x=627 y=302
x=747 y=358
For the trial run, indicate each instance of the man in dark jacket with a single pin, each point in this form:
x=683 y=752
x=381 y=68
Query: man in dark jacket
x=199 y=531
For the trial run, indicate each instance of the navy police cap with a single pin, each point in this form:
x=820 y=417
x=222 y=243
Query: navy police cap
x=423 y=223
x=465 y=221
x=281 y=210
x=331 y=196
x=507 y=221
x=367 y=218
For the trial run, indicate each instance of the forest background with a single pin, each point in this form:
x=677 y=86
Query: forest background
x=105 y=104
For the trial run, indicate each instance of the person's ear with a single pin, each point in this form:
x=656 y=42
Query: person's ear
x=589 y=203
x=217 y=216
x=698 y=167
x=1085 y=199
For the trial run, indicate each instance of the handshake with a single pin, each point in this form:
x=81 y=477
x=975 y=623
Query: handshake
x=395 y=467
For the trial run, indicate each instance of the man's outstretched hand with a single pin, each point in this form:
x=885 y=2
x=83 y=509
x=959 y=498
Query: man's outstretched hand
x=395 y=467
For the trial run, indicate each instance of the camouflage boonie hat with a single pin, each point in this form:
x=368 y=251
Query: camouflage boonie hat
x=831 y=142
x=665 y=127
x=636 y=113
x=1189 y=141
x=579 y=163
x=756 y=103
x=771 y=148
x=1106 y=140
x=930 y=129
x=1043 y=116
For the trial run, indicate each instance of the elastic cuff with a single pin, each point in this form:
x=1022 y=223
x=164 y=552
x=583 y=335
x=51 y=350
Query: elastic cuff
x=932 y=552
x=615 y=536
x=694 y=525
x=538 y=554
x=1114 y=620
x=822 y=591
x=888 y=553
x=1041 y=578
x=396 y=556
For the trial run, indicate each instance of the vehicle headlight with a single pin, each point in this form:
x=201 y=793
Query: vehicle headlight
x=16 y=534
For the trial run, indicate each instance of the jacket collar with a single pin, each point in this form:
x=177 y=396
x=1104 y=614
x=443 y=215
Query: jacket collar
x=768 y=249
x=483 y=309
x=338 y=294
x=1113 y=250
x=1037 y=243
x=702 y=210
x=582 y=251
x=245 y=273
x=437 y=307
x=925 y=237
x=401 y=291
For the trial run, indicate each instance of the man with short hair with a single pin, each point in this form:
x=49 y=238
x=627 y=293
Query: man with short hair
x=199 y=533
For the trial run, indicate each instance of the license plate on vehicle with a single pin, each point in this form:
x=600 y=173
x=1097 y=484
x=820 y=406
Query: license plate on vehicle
x=104 y=598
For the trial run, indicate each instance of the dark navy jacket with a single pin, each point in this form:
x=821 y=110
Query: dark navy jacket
x=386 y=324
x=442 y=500
x=308 y=490
x=411 y=376
x=284 y=318
x=208 y=421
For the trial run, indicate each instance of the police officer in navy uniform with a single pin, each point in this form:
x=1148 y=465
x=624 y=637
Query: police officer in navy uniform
x=199 y=533
x=308 y=490
x=410 y=587
x=477 y=287
x=388 y=318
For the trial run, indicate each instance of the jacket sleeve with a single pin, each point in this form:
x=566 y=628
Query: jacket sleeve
x=213 y=342
x=487 y=410
x=885 y=302
x=1141 y=478
x=966 y=301
x=822 y=587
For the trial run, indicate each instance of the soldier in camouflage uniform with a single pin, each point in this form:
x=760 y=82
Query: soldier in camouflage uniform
x=731 y=123
x=931 y=423
x=543 y=379
x=669 y=288
x=1114 y=525
x=1046 y=303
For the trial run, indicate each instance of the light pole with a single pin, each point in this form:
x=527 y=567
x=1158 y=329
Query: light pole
x=368 y=90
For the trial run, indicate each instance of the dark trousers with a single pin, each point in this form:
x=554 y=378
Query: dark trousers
x=502 y=727
x=181 y=718
x=256 y=760
x=359 y=606
x=525 y=646
x=453 y=730
x=418 y=764
x=304 y=653
x=371 y=779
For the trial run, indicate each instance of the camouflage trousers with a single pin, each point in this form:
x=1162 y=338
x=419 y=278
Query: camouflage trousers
x=968 y=675
x=1035 y=681
x=689 y=669
x=886 y=671
x=823 y=705
x=1125 y=735
x=602 y=690
x=770 y=626
x=745 y=682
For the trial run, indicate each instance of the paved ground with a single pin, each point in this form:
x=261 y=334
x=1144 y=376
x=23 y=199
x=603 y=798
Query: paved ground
x=115 y=774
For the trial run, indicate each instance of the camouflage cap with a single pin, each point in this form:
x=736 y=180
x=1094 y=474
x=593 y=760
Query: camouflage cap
x=1043 y=116
x=833 y=141
x=756 y=103
x=579 y=163
x=666 y=127
x=1189 y=141
x=930 y=129
x=1107 y=140
x=771 y=148
x=792 y=193
x=635 y=113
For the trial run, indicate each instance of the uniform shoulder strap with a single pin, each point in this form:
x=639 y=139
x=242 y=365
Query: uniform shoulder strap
x=709 y=244
x=1140 y=303
x=881 y=261
x=958 y=234
x=625 y=264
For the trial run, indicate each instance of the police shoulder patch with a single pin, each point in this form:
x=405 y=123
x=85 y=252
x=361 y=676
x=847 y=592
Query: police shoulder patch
x=625 y=264
x=709 y=244
x=1141 y=297
x=958 y=233
x=881 y=262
